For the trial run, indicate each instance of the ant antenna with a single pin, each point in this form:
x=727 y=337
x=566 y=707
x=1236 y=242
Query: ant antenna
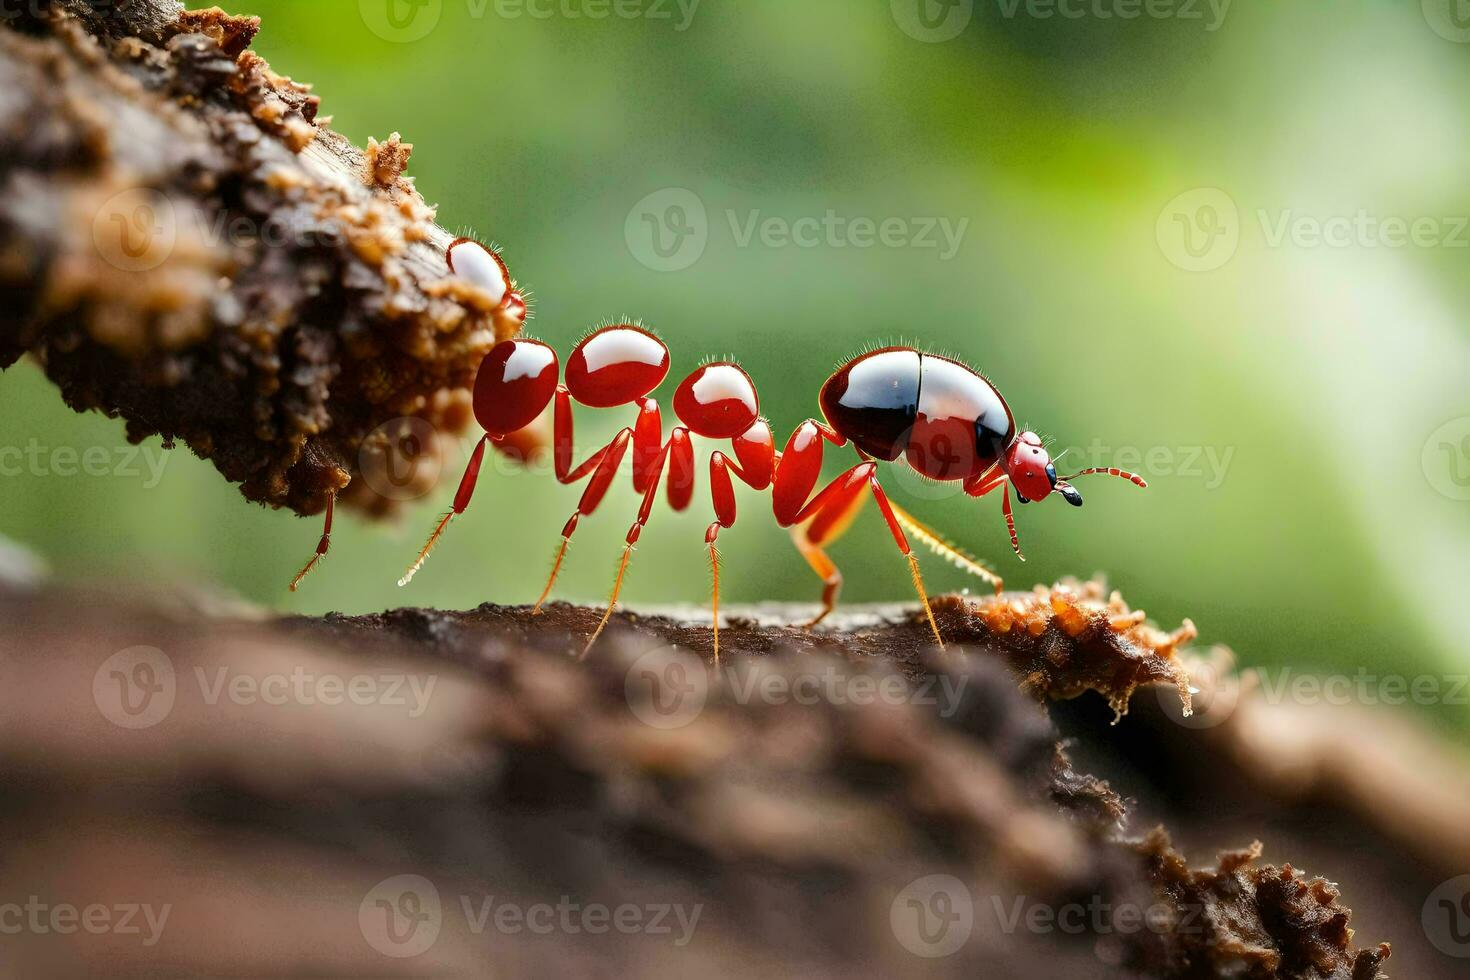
x=1132 y=478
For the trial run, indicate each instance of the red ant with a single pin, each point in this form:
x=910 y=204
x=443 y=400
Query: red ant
x=942 y=417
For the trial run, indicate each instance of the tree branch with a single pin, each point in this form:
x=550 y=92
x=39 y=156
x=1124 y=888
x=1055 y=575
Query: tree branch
x=186 y=245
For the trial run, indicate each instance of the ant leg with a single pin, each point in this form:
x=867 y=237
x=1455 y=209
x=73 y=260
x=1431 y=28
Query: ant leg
x=826 y=570
x=823 y=521
x=648 y=444
x=609 y=459
x=799 y=469
x=681 y=469
x=563 y=431
x=982 y=486
x=711 y=534
x=722 y=494
x=322 y=546
x=952 y=553
x=461 y=501
x=756 y=468
x=903 y=546
x=832 y=510
x=650 y=493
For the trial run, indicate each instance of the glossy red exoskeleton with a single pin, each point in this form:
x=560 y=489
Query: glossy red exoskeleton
x=937 y=415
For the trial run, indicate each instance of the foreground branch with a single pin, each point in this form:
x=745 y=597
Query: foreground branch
x=797 y=808
x=185 y=244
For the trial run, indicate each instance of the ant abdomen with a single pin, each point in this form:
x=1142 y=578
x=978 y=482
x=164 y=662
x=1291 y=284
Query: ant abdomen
x=947 y=421
x=872 y=400
x=962 y=424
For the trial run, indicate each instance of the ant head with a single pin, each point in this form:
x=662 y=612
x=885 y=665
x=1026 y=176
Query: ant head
x=717 y=401
x=481 y=267
x=1030 y=468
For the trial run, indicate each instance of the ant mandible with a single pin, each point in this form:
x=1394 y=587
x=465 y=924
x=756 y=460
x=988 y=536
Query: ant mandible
x=946 y=421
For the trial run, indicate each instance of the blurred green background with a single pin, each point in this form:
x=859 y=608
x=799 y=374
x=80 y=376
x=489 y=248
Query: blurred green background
x=1306 y=401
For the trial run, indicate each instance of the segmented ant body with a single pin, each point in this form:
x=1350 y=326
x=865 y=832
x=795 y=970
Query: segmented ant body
x=941 y=417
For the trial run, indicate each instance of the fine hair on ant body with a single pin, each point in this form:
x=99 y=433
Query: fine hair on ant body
x=943 y=419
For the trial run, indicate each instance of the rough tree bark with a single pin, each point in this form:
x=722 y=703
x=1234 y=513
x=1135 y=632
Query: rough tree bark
x=173 y=160
x=806 y=827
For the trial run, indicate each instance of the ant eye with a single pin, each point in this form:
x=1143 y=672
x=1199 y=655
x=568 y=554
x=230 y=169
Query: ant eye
x=476 y=264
